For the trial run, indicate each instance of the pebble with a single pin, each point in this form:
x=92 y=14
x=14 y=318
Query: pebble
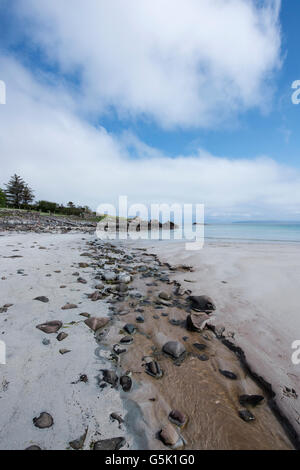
x=81 y=280
x=252 y=400
x=126 y=383
x=153 y=369
x=77 y=444
x=46 y=342
x=42 y=299
x=64 y=351
x=44 y=421
x=246 y=415
x=127 y=340
x=95 y=323
x=202 y=303
x=69 y=306
x=118 y=350
x=140 y=319
x=34 y=447
x=110 y=444
x=50 y=327
x=228 y=374
x=109 y=276
x=170 y=437
x=61 y=336
x=110 y=377
x=199 y=346
x=130 y=329
x=178 y=418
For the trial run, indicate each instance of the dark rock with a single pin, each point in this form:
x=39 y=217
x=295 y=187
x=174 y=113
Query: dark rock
x=116 y=417
x=140 y=319
x=202 y=303
x=110 y=377
x=252 y=400
x=153 y=369
x=50 y=327
x=228 y=374
x=61 y=336
x=34 y=447
x=64 y=351
x=46 y=342
x=83 y=378
x=178 y=418
x=44 y=421
x=164 y=296
x=118 y=350
x=203 y=357
x=196 y=322
x=78 y=443
x=126 y=383
x=43 y=299
x=126 y=340
x=200 y=347
x=130 y=329
x=175 y=322
x=110 y=444
x=174 y=349
x=246 y=415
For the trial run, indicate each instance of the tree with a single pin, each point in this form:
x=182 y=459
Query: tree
x=2 y=198
x=47 y=206
x=71 y=205
x=14 y=191
x=27 y=196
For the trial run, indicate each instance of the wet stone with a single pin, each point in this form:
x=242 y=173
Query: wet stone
x=126 y=383
x=178 y=418
x=130 y=329
x=228 y=374
x=61 y=336
x=110 y=444
x=246 y=415
x=43 y=299
x=252 y=400
x=174 y=349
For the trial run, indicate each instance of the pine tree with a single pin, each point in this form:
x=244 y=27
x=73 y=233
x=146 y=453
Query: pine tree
x=14 y=191
x=27 y=195
x=2 y=198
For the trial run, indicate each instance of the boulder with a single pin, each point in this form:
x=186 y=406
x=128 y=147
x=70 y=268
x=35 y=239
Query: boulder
x=174 y=349
x=202 y=303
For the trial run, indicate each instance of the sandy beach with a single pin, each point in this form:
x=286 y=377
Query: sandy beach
x=254 y=288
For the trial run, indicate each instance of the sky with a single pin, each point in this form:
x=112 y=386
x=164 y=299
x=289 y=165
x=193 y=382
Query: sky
x=165 y=101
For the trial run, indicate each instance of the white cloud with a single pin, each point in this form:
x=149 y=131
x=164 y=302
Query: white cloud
x=179 y=62
x=64 y=158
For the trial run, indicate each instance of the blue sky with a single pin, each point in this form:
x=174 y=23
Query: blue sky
x=196 y=109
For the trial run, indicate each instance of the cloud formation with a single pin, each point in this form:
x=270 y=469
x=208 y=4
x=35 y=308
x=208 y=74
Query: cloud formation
x=186 y=63
x=65 y=158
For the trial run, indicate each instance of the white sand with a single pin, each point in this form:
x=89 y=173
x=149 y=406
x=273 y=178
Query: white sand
x=38 y=378
x=260 y=303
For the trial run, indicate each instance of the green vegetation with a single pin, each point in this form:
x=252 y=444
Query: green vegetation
x=2 y=198
x=18 y=195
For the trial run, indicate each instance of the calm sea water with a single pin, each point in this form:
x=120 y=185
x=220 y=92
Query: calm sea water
x=252 y=232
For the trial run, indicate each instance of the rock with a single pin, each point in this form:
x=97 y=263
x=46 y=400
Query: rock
x=110 y=377
x=44 y=421
x=252 y=400
x=46 y=342
x=116 y=417
x=200 y=347
x=170 y=437
x=122 y=287
x=175 y=322
x=153 y=369
x=99 y=286
x=81 y=280
x=203 y=357
x=61 y=336
x=50 y=327
x=43 y=299
x=118 y=350
x=246 y=415
x=124 y=278
x=85 y=314
x=96 y=296
x=174 y=349
x=109 y=276
x=110 y=444
x=34 y=447
x=140 y=319
x=196 y=322
x=164 y=296
x=130 y=329
x=95 y=323
x=228 y=374
x=83 y=265
x=64 y=351
x=202 y=303
x=178 y=418
x=78 y=443
x=83 y=378
x=126 y=383
x=126 y=340
x=69 y=306
x=163 y=302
